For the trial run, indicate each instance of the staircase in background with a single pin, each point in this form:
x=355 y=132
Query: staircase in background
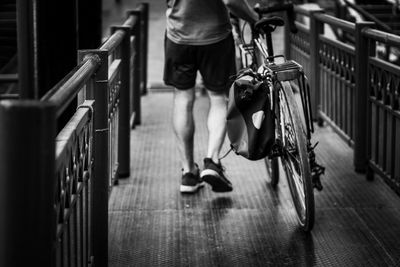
x=385 y=14
x=8 y=32
x=8 y=45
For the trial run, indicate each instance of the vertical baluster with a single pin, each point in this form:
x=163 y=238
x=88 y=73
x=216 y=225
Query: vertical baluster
x=390 y=129
x=396 y=147
x=324 y=80
x=352 y=99
x=330 y=82
x=347 y=93
x=335 y=87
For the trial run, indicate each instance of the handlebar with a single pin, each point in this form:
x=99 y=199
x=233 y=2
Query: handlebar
x=288 y=7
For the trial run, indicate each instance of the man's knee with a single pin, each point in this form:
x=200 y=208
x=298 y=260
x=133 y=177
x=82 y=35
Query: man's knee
x=218 y=95
x=184 y=96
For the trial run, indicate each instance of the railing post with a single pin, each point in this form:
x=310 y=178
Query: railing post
x=144 y=21
x=27 y=181
x=316 y=28
x=124 y=124
x=101 y=160
x=286 y=39
x=40 y=43
x=340 y=9
x=361 y=100
x=136 y=76
x=27 y=66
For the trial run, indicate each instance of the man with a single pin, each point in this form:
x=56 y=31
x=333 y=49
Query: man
x=199 y=38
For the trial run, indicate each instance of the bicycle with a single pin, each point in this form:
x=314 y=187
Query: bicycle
x=292 y=146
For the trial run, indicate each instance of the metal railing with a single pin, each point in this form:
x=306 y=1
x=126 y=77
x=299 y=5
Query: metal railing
x=60 y=215
x=75 y=175
x=383 y=110
x=353 y=91
x=74 y=183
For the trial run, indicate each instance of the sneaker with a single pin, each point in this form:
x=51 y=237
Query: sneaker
x=191 y=182
x=213 y=174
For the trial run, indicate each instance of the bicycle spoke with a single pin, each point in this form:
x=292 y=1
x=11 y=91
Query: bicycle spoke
x=294 y=157
x=298 y=182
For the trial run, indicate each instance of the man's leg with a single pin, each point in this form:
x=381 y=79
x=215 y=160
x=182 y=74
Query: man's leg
x=217 y=65
x=183 y=124
x=216 y=124
x=213 y=172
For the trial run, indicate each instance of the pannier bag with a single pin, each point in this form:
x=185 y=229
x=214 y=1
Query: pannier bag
x=250 y=120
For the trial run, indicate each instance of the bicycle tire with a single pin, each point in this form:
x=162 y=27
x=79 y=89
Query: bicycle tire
x=295 y=157
x=272 y=166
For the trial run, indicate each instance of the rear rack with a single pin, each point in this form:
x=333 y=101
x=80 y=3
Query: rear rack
x=286 y=71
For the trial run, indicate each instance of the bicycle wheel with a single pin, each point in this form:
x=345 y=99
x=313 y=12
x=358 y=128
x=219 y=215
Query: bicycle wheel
x=272 y=166
x=295 y=156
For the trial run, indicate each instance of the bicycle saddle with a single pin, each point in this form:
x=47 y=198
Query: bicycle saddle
x=268 y=24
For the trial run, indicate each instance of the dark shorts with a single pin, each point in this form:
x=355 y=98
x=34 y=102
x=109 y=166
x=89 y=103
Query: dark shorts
x=216 y=63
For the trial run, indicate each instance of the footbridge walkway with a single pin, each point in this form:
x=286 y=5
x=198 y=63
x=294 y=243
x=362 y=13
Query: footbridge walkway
x=102 y=188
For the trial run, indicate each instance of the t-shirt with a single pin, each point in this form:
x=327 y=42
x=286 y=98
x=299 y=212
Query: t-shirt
x=197 y=22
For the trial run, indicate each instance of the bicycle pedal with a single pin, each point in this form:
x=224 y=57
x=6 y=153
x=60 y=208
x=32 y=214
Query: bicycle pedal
x=316 y=181
x=317 y=170
x=286 y=71
x=276 y=150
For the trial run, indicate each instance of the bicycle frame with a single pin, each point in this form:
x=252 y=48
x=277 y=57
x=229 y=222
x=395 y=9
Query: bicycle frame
x=263 y=55
x=259 y=53
x=268 y=51
x=293 y=125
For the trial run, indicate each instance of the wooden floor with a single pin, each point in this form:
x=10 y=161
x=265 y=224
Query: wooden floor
x=152 y=224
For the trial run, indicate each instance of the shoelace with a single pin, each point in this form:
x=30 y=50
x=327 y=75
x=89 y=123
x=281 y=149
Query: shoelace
x=219 y=165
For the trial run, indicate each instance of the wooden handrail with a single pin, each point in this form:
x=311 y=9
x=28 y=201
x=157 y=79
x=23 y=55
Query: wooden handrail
x=336 y=22
x=384 y=37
